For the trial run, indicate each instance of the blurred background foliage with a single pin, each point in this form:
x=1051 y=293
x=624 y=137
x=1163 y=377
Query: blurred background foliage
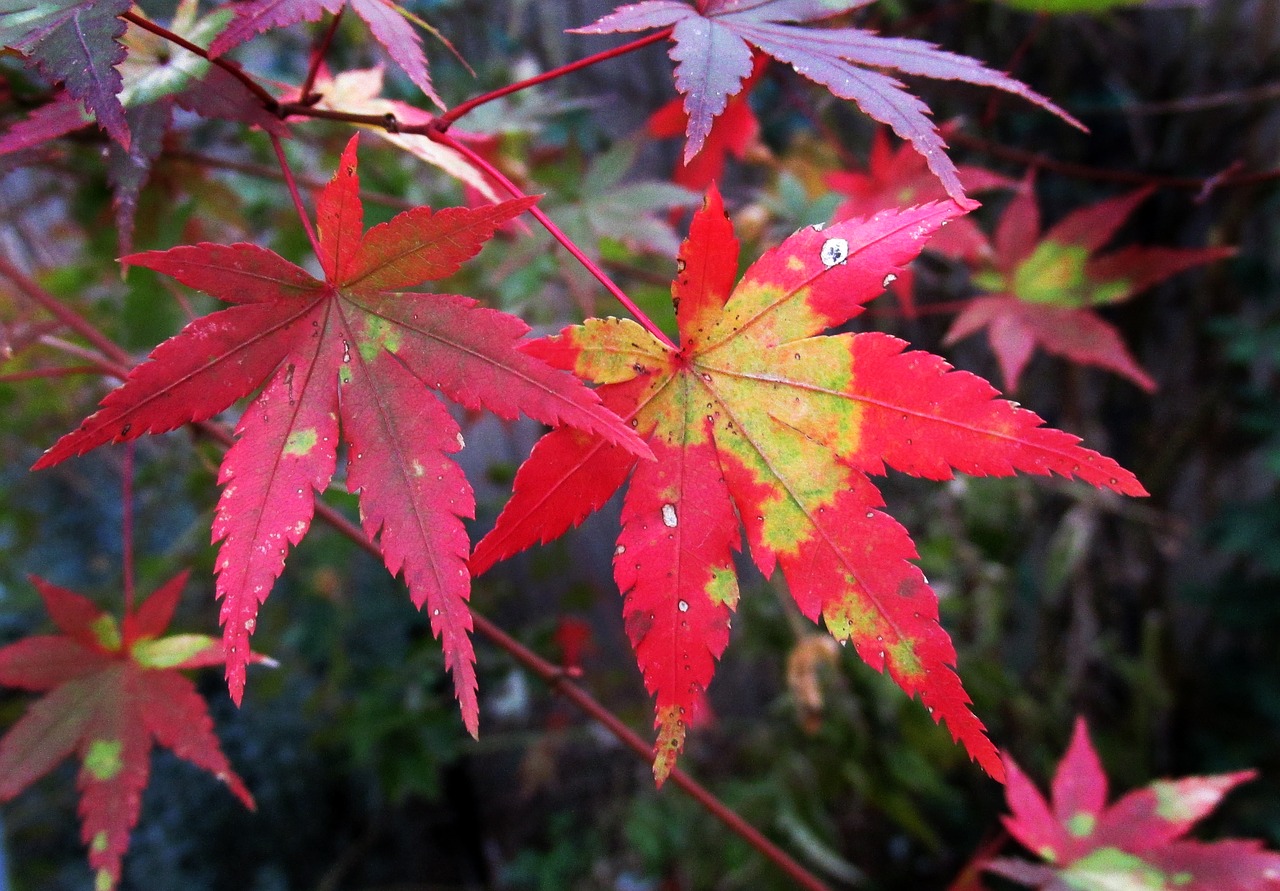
x=1158 y=620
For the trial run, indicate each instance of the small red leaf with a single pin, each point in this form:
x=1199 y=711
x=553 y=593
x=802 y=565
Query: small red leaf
x=1136 y=842
x=110 y=709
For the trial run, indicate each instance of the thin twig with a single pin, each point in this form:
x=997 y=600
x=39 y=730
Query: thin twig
x=1106 y=174
x=33 y=374
x=447 y=119
x=297 y=199
x=565 y=241
x=317 y=56
x=126 y=525
x=268 y=101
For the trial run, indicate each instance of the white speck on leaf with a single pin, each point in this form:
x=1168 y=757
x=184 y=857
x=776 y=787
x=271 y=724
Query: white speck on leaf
x=834 y=252
x=888 y=280
x=669 y=516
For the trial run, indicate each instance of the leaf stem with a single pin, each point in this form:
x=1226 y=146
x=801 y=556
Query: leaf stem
x=233 y=68
x=33 y=374
x=63 y=313
x=293 y=193
x=317 y=57
x=446 y=120
x=566 y=242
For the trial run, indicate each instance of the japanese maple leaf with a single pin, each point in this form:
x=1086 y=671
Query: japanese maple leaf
x=348 y=347
x=388 y=21
x=756 y=419
x=899 y=178
x=733 y=132
x=112 y=691
x=713 y=41
x=1044 y=289
x=76 y=42
x=1136 y=843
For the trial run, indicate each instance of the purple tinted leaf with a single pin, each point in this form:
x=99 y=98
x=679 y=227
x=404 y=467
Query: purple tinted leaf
x=129 y=168
x=925 y=59
x=878 y=95
x=640 y=17
x=712 y=63
x=219 y=95
x=59 y=117
x=782 y=10
x=78 y=44
x=262 y=15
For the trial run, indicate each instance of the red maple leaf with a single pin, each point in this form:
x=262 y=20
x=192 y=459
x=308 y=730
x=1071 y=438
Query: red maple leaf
x=899 y=178
x=734 y=132
x=1137 y=842
x=1044 y=289
x=756 y=420
x=348 y=347
x=112 y=691
x=390 y=24
x=713 y=43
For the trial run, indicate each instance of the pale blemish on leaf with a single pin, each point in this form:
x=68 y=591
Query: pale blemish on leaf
x=300 y=442
x=107 y=631
x=379 y=334
x=103 y=759
x=723 y=587
x=1081 y=824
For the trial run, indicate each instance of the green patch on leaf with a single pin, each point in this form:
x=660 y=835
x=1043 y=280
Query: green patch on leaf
x=300 y=442
x=103 y=759
x=107 y=630
x=379 y=334
x=1172 y=804
x=1081 y=824
x=1110 y=869
x=1054 y=274
x=172 y=651
x=103 y=881
x=99 y=843
x=723 y=587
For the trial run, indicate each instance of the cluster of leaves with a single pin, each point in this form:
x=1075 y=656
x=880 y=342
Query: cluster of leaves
x=1137 y=842
x=754 y=420
x=112 y=690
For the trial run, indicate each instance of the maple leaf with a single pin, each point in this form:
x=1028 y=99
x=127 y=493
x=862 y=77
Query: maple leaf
x=899 y=178
x=76 y=42
x=1136 y=843
x=733 y=132
x=712 y=49
x=388 y=21
x=112 y=691
x=348 y=347
x=757 y=419
x=1044 y=290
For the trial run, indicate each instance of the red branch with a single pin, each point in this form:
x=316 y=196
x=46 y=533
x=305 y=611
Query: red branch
x=446 y=120
x=268 y=101
x=590 y=265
